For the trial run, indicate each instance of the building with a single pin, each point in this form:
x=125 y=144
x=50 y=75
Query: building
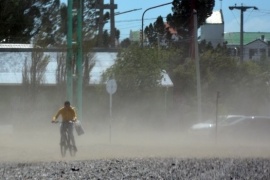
x=135 y=36
x=213 y=29
x=256 y=44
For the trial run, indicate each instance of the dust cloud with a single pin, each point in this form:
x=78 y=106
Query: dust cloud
x=39 y=141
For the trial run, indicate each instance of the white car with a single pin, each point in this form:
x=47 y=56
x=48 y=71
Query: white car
x=208 y=128
x=235 y=129
x=222 y=121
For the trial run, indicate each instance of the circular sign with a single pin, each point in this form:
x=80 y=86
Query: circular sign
x=111 y=86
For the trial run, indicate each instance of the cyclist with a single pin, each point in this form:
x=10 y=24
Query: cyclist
x=68 y=114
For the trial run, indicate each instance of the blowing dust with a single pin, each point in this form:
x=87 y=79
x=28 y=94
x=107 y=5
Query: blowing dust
x=40 y=142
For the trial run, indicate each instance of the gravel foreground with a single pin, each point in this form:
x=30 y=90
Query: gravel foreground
x=141 y=168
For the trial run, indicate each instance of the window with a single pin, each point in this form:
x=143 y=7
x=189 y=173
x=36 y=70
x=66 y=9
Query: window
x=252 y=52
x=263 y=52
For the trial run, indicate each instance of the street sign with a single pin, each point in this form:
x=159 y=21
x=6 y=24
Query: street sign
x=111 y=86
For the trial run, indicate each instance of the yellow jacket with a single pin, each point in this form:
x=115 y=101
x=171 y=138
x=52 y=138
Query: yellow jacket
x=67 y=113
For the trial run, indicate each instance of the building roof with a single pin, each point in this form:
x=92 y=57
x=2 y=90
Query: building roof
x=233 y=38
x=12 y=64
x=215 y=18
x=258 y=41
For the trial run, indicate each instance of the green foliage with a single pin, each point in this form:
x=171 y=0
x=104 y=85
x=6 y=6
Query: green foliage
x=155 y=31
x=125 y=43
x=244 y=87
x=137 y=69
x=182 y=14
x=185 y=78
x=181 y=20
x=46 y=21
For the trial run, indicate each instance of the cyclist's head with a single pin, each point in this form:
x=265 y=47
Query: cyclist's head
x=67 y=103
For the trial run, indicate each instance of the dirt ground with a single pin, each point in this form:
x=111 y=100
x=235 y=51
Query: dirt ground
x=30 y=144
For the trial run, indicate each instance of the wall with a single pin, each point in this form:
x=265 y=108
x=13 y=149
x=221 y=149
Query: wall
x=213 y=33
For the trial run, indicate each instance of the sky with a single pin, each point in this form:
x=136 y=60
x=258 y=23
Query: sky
x=254 y=20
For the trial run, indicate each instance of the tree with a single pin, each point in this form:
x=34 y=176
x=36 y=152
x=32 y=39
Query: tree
x=52 y=31
x=18 y=20
x=244 y=87
x=22 y=20
x=181 y=17
x=155 y=32
x=33 y=72
x=250 y=94
x=54 y=24
x=125 y=43
x=180 y=20
x=137 y=70
x=151 y=34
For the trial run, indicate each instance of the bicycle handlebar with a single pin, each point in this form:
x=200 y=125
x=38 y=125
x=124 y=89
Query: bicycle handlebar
x=56 y=122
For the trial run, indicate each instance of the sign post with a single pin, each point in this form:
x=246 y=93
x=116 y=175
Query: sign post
x=111 y=88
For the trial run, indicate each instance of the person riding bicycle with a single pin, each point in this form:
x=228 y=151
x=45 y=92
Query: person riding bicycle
x=68 y=114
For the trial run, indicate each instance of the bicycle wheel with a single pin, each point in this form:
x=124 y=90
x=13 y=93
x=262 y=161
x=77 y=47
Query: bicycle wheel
x=63 y=150
x=63 y=145
x=72 y=150
x=71 y=145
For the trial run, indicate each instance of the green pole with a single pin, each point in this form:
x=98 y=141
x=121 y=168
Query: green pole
x=79 y=60
x=69 y=86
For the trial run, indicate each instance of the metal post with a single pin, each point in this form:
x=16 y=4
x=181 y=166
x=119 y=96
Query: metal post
x=110 y=117
x=79 y=60
x=199 y=96
x=166 y=102
x=69 y=86
x=216 y=134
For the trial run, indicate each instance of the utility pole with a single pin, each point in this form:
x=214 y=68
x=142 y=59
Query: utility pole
x=242 y=10
x=101 y=6
x=112 y=23
x=197 y=62
x=191 y=25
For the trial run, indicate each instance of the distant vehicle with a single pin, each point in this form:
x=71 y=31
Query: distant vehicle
x=235 y=128
x=222 y=121
x=207 y=129
x=251 y=129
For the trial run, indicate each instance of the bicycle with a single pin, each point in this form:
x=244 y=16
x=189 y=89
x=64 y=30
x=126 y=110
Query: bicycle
x=65 y=140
